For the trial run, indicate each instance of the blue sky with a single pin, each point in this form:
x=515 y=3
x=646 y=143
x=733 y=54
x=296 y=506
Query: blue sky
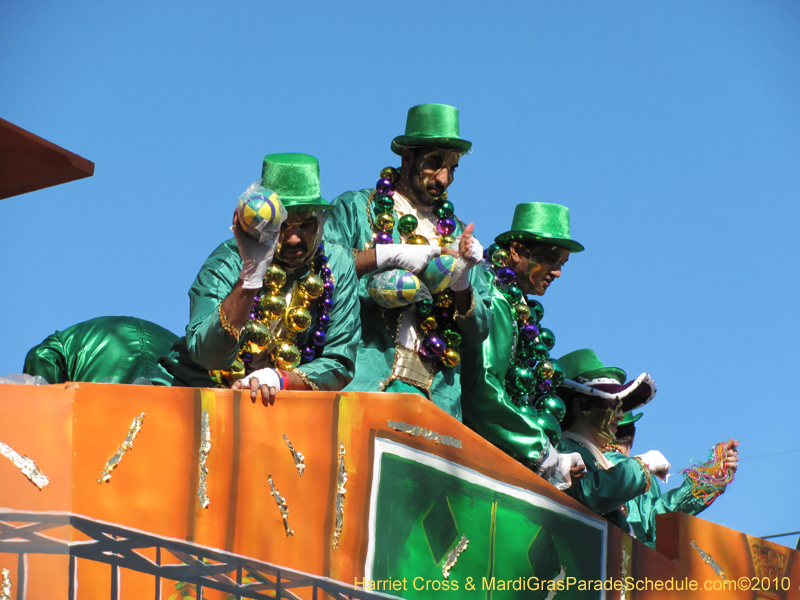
x=671 y=130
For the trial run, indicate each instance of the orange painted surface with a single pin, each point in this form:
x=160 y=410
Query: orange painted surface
x=71 y=430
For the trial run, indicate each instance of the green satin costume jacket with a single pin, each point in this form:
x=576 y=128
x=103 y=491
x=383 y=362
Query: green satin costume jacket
x=488 y=409
x=207 y=346
x=348 y=225
x=643 y=509
x=605 y=491
x=101 y=350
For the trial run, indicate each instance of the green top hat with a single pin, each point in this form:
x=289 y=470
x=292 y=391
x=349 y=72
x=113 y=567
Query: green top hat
x=541 y=222
x=295 y=177
x=630 y=418
x=586 y=364
x=433 y=125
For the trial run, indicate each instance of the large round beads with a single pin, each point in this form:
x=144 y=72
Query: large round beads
x=407 y=224
x=272 y=306
x=256 y=336
x=285 y=356
x=298 y=319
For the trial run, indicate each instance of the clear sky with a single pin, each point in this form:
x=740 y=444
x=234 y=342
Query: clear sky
x=670 y=129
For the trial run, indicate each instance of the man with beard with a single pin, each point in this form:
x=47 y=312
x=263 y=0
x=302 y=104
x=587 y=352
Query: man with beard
x=274 y=315
x=509 y=403
x=419 y=308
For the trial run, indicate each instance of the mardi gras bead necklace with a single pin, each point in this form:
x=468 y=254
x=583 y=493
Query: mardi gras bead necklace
x=710 y=478
x=533 y=375
x=258 y=337
x=440 y=338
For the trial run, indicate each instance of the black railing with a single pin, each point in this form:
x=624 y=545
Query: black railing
x=22 y=533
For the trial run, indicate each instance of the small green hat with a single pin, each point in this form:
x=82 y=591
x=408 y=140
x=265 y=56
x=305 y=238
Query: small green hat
x=541 y=222
x=587 y=365
x=630 y=418
x=296 y=179
x=433 y=125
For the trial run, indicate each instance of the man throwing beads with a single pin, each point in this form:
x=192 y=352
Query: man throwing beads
x=702 y=484
x=511 y=401
x=415 y=261
x=275 y=315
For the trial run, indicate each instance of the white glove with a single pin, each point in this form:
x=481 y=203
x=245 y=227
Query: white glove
x=556 y=467
x=656 y=463
x=410 y=257
x=471 y=258
x=267 y=377
x=256 y=256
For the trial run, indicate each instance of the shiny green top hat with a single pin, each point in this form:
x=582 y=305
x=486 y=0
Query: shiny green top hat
x=584 y=372
x=541 y=222
x=296 y=179
x=433 y=125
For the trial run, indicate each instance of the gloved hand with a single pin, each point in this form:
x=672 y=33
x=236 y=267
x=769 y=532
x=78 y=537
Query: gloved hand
x=410 y=257
x=268 y=381
x=656 y=463
x=471 y=253
x=256 y=255
x=558 y=468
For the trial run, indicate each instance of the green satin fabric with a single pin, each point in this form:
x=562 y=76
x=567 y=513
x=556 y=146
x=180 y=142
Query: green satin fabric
x=643 y=509
x=207 y=346
x=605 y=491
x=296 y=179
x=488 y=409
x=348 y=225
x=101 y=349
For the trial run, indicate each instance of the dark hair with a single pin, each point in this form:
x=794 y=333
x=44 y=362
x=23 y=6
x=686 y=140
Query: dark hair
x=585 y=402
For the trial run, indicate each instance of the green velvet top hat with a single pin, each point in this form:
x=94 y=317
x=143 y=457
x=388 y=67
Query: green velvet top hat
x=295 y=177
x=584 y=372
x=434 y=125
x=541 y=222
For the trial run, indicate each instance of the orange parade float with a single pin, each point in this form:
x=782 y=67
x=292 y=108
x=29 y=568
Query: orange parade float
x=134 y=492
x=173 y=493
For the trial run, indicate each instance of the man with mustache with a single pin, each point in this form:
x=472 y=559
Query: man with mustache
x=419 y=309
x=510 y=400
x=272 y=315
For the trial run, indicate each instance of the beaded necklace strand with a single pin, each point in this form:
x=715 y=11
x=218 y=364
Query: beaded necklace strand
x=269 y=305
x=440 y=338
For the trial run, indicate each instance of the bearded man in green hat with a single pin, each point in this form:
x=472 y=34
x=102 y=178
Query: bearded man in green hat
x=420 y=295
x=510 y=401
x=275 y=312
x=693 y=496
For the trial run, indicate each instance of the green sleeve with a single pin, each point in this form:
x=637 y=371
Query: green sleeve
x=606 y=490
x=335 y=367
x=642 y=510
x=682 y=500
x=347 y=223
x=48 y=360
x=488 y=409
x=475 y=325
x=208 y=344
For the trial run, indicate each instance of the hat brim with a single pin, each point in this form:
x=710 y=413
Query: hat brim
x=630 y=419
x=527 y=236
x=294 y=204
x=410 y=141
x=633 y=394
